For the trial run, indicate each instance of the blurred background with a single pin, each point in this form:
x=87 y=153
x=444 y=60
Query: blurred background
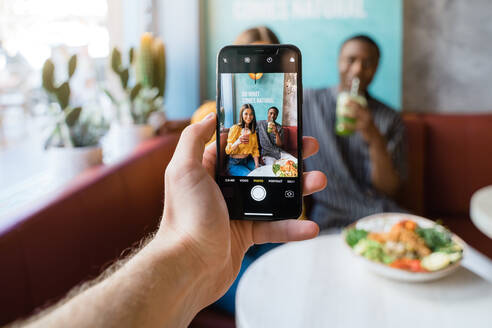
x=435 y=54
x=94 y=93
x=435 y=59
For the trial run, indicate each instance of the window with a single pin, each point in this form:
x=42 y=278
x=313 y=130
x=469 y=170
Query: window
x=32 y=27
x=30 y=32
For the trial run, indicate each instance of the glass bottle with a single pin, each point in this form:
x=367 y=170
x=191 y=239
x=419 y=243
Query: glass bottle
x=345 y=123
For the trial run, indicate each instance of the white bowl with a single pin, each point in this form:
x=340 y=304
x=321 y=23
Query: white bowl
x=382 y=223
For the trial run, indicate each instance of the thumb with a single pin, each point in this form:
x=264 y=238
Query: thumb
x=193 y=139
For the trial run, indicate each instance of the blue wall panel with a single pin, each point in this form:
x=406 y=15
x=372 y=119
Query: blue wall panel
x=317 y=28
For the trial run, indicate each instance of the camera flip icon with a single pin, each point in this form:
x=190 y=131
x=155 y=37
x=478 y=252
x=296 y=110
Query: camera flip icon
x=289 y=194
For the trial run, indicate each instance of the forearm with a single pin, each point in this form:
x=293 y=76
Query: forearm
x=153 y=289
x=232 y=146
x=384 y=176
x=278 y=140
x=257 y=161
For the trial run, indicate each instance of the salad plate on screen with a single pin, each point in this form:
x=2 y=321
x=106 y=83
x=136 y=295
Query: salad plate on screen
x=405 y=247
x=285 y=168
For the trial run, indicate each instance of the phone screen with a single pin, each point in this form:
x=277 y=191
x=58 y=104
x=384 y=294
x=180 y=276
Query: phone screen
x=259 y=166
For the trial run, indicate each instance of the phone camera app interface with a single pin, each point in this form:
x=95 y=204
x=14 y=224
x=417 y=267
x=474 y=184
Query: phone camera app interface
x=258 y=119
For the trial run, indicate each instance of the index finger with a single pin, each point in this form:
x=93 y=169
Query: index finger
x=283 y=231
x=353 y=103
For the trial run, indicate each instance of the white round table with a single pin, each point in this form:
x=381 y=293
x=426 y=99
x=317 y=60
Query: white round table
x=319 y=283
x=262 y=171
x=481 y=210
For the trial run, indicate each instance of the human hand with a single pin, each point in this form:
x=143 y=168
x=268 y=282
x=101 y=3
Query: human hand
x=244 y=138
x=237 y=143
x=195 y=213
x=364 y=122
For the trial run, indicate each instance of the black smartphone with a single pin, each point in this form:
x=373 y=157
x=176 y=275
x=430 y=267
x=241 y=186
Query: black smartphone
x=259 y=126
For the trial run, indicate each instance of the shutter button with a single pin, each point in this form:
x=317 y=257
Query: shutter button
x=258 y=193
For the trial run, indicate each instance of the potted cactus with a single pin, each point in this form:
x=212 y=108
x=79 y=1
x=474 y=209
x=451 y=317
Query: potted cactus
x=73 y=143
x=142 y=82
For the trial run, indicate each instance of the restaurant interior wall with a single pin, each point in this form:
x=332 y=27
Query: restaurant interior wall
x=179 y=27
x=447 y=47
x=317 y=28
x=439 y=50
x=177 y=23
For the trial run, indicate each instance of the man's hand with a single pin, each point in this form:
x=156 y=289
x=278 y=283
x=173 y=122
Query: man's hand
x=364 y=122
x=195 y=212
x=194 y=257
x=257 y=161
x=384 y=176
x=278 y=139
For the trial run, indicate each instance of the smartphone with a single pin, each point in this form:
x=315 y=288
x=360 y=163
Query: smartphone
x=259 y=126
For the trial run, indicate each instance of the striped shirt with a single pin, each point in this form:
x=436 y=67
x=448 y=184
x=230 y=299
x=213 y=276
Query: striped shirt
x=349 y=194
x=268 y=141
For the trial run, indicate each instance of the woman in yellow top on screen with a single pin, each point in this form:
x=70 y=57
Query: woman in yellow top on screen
x=242 y=144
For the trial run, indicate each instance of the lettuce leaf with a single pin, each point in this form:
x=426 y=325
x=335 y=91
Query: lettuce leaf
x=353 y=236
x=434 y=238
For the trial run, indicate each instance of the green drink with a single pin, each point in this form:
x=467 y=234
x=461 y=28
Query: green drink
x=345 y=125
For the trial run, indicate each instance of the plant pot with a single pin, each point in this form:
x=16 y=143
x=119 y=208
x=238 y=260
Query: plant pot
x=135 y=134
x=122 y=140
x=66 y=163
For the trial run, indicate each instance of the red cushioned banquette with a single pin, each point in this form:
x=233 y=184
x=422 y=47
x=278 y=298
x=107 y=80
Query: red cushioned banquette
x=290 y=139
x=73 y=237
x=449 y=158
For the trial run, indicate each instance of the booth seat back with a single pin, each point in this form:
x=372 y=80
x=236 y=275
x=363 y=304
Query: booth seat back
x=74 y=237
x=290 y=139
x=411 y=194
x=458 y=161
x=449 y=158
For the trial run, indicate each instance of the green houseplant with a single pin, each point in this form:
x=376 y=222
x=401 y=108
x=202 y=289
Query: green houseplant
x=74 y=141
x=72 y=127
x=139 y=100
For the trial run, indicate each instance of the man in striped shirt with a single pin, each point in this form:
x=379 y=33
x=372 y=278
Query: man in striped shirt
x=365 y=169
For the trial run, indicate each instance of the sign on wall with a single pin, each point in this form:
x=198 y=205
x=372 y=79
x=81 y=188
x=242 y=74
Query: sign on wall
x=317 y=27
x=262 y=94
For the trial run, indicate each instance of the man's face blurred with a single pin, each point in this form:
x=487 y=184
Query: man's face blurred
x=272 y=115
x=357 y=59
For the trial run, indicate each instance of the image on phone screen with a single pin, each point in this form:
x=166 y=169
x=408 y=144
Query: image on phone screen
x=261 y=128
x=259 y=167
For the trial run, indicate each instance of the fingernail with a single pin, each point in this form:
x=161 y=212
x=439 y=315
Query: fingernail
x=208 y=117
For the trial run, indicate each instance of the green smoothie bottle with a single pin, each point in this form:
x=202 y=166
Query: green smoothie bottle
x=345 y=125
